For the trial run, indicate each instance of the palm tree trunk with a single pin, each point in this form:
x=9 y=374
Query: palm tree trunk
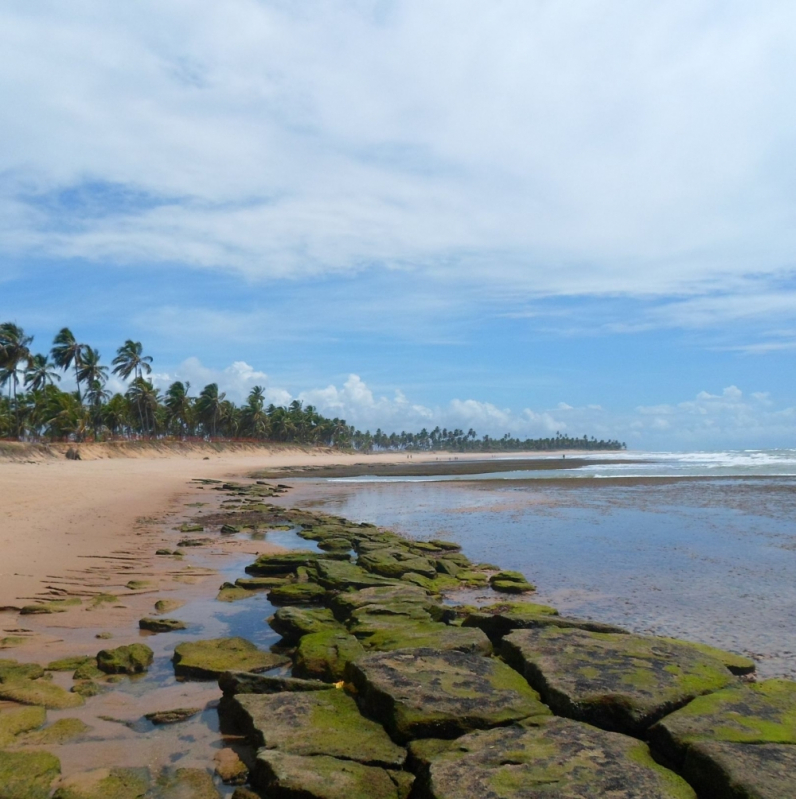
x=77 y=381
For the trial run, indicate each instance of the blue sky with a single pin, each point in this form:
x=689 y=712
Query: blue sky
x=523 y=216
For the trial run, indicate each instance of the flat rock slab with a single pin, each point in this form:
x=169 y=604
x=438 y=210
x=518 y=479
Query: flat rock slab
x=174 y=716
x=40 y=692
x=161 y=625
x=426 y=693
x=385 y=634
x=345 y=604
x=324 y=655
x=314 y=723
x=754 y=713
x=550 y=758
x=615 y=681
x=104 y=783
x=292 y=622
x=131 y=659
x=284 y=776
x=245 y=682
x=722 y=770
x=207 y=660
x=27 y=775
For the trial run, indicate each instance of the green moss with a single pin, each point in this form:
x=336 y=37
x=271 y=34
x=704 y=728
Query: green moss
x=232 y=593
x=114 y=783
x=512 y=586
x=88 y=671
x=131 y=659
x=737 y=664
x=297 y=594
x=19 y=719
x=27 y=775
x=206 y=660
x=167 y=605
x=139 y=585
x=102 y=599
x=10 y=641
x=58 y=732
x=69 y=664
x=39 y=692
x=186 y=782
x=675 y=785
x=11 y=670
x=324 y=655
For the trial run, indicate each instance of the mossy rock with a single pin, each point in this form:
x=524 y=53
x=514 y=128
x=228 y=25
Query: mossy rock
x=88 y=671
x=313 y=723
x=433 y=585
x=130 y=659
x=550 y=757
x=371 y=619
x=232 y=593
x=753 y=713
x=207 y=660
x=245 y=682
x=335 y=544
x=501 y=618
x=737 y=664
x=396 y=563
x=139 y=585
x=161 y=625
x=414 y=635
x=12 y=670
x=230 y=529
x=512 y=586
x=292 y=622
x=284 y=563
x=191 y=528
x=320 y=777
x=14 y=721
x=105 y=783
x=619 y=682
x=167 y=605
x=44 y=608
x=60 y=731
x=343 y=605
x=472 y=579
x=70 y=664
x=260 y=583
x=186 y=783
x=297 y=594
x=722 y=770
x=324 y=655
x=88 y=688
x=27 y=775
x=447 y=546
x=39 y=692
x=340 y=575
x=425 y=693
x=173 y=716
x=10 y=641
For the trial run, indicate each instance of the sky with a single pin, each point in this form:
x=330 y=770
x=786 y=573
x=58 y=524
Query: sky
x=521 y=216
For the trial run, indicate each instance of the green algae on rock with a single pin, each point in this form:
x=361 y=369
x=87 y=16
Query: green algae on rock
x=161 y=625
x=343 y=605
x=244 y=682
x=615 y=681
x=11 y=670
x=167 y=605
x=292 y=622
x=297 y=594
x=737 y=664
x=418 y=635
x=14 y=721
x=185 y=783
x=426 y=693
x=549 y=757
x=27 y=775
x=105 y=783
x=88 y=671
x=130 y=659
x=207 y=660
x=324 y=655
x=340 y=575
x=260 y=583
x=284 y=776
x=69 y=664
x=753 y=713
x=174 y=716
x=39 y=692
x=59 y=732
x=314 y=723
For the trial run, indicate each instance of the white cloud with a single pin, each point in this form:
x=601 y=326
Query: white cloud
x=517 y=147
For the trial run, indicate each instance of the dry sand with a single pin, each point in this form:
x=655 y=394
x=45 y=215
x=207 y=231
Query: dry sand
x=55 y=514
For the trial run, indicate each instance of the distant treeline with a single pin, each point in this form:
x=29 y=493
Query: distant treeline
x=36 y=409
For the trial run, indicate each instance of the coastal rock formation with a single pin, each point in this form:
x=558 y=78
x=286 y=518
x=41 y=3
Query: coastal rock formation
x=617 y=682
x=314 y=723
x=172 y=716
x=549 y=757
x=40 y=692
x=244 y=682
x=103 y=783
x=207 y=660
x=18 y=720
x=426 y=693
x=293 y=622
x=27 y=775
x=132 y=659
x=324 y=655
x=297 y=594
x=161 y=625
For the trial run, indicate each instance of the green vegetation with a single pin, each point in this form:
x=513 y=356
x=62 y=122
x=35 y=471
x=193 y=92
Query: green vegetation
x=36 y=409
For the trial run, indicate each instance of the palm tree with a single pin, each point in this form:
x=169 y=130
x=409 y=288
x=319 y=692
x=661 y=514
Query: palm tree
x=40 y=373
x=146 y=398
x=90 y=370
x=209 y=404
x=254 y=418
x=14 y=353
x=67 y=352
x=179 y=405
x=130 y=360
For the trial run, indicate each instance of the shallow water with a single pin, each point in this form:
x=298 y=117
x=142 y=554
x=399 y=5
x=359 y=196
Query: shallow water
x=705 y=560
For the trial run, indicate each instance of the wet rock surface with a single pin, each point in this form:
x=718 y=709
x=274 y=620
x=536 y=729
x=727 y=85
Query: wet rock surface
x=244 y=682
x=618 y=682
x=425 y=693
x=207 y=660
x=549 y=757
x=132 y=659
x=27 y=775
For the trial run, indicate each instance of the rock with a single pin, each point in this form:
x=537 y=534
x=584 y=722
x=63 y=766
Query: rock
x=424 y=750
x=59 y=732
x=17 y=720
x=550 y=757
x=244 y=682
x=105 y=636
x=207 y=660
x=297 y=594
x=39 y=692
x=131 y=659
x=230 y=768
x=723 y=770
x=617 y=682
x=186 y=783
x=340 y=575
x=232 y=593
x=396 y=563
x=424 y=693
x=414 y=635
x=43 y=608
x=230 y=529
x=448 y=546
x=293 y=622
x=324 y=655
x=436 y=585
x=138 y=585
x=191 y=528
x=193 y=542
x=314 y=723
x=737 y=664
x=163 y=552
x=343 y=605
x=87 y=688
x=105 y=783
x=753 y=713
x=260 y=583
x=501 y=618
x=88 y=671
x=284 y=776
x=172 y=716
x=161 y=625
x=69 y=664
x=11 y=670
x=283 y=563
x=511 y=586
x=244 y=793
x=27 y=775
x=335 y=543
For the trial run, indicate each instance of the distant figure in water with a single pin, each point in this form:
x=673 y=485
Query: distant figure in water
x=564 y=457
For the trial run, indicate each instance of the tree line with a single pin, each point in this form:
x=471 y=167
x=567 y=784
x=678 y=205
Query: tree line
x=34 y=408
